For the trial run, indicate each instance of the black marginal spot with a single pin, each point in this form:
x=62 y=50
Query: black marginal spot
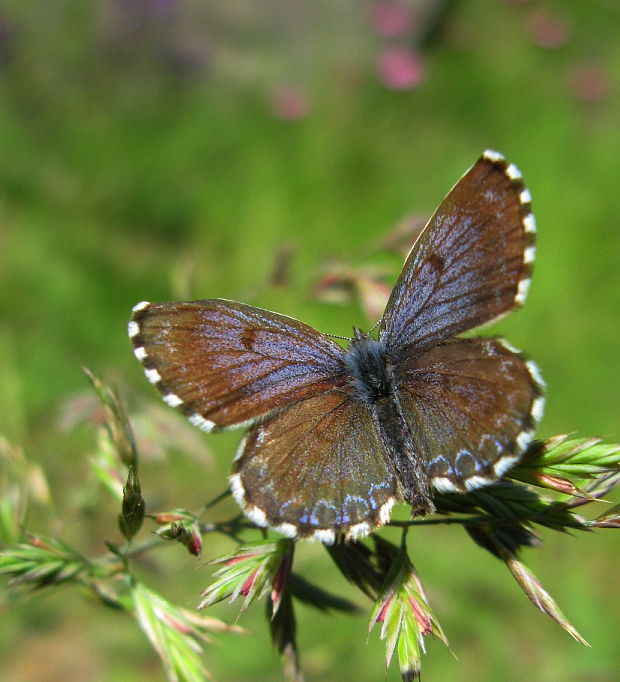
x=526 y=210
x=139 y=315
x=529 y=423
x=147 y=363
x=163 y=387
x=499 y=163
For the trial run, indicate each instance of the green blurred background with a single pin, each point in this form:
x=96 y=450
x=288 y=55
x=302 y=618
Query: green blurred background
x=153 y=149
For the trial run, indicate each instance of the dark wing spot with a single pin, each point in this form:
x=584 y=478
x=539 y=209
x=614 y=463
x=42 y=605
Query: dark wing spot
x=436 y=262
x=248 y=338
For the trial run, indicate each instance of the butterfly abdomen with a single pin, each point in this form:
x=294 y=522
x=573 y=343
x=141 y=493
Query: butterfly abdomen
x=402 y=458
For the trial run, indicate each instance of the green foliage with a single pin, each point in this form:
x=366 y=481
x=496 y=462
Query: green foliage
x=548 y=465
x=249 y=572
x=500 y=518
x=537 y=593
x=43 y=562
x=405 y=616
x=141 y=157
x=21 y=482
x=174 y=633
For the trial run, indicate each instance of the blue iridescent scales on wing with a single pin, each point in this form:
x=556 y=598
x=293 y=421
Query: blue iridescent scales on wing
x=337 y=436
x=231 y=363
x=467 y=266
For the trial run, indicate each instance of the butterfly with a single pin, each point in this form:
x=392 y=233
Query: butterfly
x=336 y=437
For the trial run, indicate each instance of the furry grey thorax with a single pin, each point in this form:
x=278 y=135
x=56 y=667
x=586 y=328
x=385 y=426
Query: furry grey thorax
x=369 y=368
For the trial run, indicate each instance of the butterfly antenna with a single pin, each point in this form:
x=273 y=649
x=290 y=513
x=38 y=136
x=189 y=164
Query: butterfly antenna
x=374 y=326
x=348 y=338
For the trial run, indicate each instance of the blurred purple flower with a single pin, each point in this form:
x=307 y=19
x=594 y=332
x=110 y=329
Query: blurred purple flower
x=289 y=102
x=548 y=29
x=390 y=18
x=589 y=83
x=400 y=68
x=164 y=6
x=6 y=35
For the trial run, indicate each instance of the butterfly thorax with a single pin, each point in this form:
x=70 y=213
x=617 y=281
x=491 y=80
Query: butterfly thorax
x=369 y=369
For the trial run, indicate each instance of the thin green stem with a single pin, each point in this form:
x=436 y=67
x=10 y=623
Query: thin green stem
x=145 y=547
x=443 y=521
x=216 y=500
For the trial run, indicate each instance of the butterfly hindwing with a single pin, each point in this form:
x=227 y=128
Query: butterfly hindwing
x=225 y=363
x=470 y=265
x=471 y=406
x=316 y=469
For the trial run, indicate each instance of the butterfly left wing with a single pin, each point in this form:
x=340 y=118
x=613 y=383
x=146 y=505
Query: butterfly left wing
x=316 y=469
x=224 y=364
x=472 y=406
x=470 y=265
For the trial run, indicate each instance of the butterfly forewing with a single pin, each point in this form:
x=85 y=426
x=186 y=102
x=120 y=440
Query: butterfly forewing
x=316 y=469
x=225 y=363
x=470 y=265
x=472 y=406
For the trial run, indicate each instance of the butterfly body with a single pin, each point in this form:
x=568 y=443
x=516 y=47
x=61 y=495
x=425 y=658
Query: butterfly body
x=336 y=437
x=371 y=376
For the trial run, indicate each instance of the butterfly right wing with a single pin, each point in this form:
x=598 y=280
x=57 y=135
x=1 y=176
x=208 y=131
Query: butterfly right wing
x=224 y=364
x=472 y=407
x=470 y=265
x=316 y=469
